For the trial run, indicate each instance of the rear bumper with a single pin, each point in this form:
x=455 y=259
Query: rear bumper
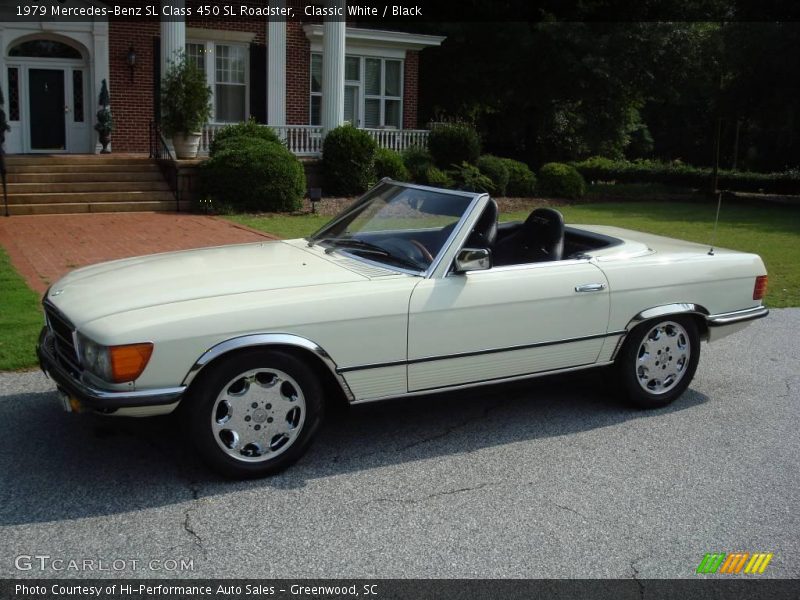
x=95 y=398
x=725 y=324
x=737 y=316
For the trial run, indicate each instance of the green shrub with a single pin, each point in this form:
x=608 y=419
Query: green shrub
x=467 y=177
x=185 y=97
x=389 y=163
x=521 y=180
x=253 y=175
x=417 y=160
x=453 y=144
x=348 y=161
x=251 y=129
x=436 y=178
x=496 y=170
x=561 y=181
x=676 y=173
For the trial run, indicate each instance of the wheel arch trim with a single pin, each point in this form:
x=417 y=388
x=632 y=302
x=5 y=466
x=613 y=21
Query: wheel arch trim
x=260 y=340
x=663 y=310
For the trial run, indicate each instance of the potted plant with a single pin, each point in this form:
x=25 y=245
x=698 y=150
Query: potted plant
x=185 y=105
x=105 y=122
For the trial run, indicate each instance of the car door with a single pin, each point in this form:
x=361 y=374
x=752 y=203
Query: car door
x=506 y=321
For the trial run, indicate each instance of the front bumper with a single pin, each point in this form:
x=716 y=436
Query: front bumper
x=92 y=397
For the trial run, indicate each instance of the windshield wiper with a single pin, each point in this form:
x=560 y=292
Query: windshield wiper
x=367 y=248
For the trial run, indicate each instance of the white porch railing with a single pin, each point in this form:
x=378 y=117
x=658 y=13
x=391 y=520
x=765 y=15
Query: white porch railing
x=399 y=139
x=306 y=140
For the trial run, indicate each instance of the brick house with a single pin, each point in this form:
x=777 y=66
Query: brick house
x=300 y=76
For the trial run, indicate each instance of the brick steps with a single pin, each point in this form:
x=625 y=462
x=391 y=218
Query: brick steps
x=59 y=184
x=94 y=207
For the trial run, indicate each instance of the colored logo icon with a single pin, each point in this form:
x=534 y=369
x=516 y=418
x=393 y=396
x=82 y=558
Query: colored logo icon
x=735 y=563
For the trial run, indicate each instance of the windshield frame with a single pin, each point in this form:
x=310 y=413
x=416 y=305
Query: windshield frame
x=474 y=197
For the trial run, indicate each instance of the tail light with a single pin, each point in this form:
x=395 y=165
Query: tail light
x=760 y=288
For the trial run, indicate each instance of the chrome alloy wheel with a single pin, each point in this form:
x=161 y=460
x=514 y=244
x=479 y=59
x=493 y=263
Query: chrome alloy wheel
x=258 y=415
x=663 y=357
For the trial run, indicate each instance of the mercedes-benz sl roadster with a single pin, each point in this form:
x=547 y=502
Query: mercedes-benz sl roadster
x=411 y=290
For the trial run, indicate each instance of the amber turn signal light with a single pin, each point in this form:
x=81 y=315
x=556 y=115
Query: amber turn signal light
x=128 y=362
x=760 y=289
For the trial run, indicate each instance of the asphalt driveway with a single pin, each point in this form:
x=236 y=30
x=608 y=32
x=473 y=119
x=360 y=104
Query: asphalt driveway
x=547 y=479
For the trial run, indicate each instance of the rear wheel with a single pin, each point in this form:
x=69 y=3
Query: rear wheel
x=658 y=361
x=255 y=413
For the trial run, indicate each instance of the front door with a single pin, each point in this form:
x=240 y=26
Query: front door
x=506 y=322
x=47 y=110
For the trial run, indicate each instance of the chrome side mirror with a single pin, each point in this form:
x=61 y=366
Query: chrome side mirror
x=473 y=259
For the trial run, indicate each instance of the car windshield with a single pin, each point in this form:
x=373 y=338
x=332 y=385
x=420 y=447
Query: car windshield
x=399 y=225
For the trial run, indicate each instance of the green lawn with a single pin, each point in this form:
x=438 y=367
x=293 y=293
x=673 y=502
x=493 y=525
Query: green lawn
x=772 y=231
x=21 y=319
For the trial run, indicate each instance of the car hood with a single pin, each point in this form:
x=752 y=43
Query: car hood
x=129 y=284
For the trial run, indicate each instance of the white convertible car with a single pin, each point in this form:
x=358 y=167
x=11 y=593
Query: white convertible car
x=411 y=290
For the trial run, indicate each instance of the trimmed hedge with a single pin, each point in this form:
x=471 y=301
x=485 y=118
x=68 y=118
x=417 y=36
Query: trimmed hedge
x=521 y=180
x=468 y=177
x=253 y=175
x=436 y=178
x=348 y=161
x=454 y=143
x=417 y=160
x=389 y=163
x=598 y=168
x=496 y=170
x=562 y=181
x=250 y=129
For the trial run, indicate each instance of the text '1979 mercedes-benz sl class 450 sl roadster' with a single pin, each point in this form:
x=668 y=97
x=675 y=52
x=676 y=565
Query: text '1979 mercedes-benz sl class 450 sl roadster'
x=411 y=290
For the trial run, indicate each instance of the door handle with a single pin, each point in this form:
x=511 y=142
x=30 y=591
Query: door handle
x=590 y=287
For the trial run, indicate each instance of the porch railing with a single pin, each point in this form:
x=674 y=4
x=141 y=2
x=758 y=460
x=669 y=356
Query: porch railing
x=165 y=156
x=306 y=140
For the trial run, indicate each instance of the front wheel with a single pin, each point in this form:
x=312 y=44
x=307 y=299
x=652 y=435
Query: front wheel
x=658 y=361
x=255 y=413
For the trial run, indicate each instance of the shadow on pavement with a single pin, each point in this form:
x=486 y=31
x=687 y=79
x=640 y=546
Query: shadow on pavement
x=56 y=466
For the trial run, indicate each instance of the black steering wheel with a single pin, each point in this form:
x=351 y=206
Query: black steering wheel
x=413 y=249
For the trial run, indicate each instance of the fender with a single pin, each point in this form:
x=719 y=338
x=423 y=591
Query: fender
x=268 y=339
x=678 y=308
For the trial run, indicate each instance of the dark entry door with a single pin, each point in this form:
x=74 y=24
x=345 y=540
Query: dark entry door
x=47 y=109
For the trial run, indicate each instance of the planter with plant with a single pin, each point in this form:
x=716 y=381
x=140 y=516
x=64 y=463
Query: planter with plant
x=105 y=121
x=185 y=106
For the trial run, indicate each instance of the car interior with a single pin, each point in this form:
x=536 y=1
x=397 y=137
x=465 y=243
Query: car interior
x=542 y=237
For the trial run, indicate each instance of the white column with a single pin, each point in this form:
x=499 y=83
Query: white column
x=173 y=34
x=276 y=69
x=333 y=39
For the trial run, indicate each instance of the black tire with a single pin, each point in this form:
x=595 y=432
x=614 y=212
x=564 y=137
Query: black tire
x=259 y=406
x=638 y=371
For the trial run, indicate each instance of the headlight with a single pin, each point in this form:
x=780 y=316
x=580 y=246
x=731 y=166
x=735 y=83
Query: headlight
x=117 y=364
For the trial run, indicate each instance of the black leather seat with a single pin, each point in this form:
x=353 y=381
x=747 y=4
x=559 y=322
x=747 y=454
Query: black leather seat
x=484 y=234
x=539 y=239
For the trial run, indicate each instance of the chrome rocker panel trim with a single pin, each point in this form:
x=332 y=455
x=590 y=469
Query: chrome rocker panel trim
x=268 y=339
x=95 y=397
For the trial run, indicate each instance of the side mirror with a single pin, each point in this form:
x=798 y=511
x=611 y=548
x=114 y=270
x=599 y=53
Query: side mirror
x=473 y=259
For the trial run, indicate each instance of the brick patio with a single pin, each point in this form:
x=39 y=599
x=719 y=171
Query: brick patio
x=45 y=247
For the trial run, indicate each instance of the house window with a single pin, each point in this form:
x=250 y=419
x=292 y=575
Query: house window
x=226 y=68
x=13 y=94
x=373 y=91
x=77 y=96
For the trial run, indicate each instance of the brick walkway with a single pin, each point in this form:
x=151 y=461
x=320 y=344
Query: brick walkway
x=45 y=247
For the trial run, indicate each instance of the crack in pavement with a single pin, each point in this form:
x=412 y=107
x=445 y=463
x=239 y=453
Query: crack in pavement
x=436 y=494
x=636 y=576
x=570 y=509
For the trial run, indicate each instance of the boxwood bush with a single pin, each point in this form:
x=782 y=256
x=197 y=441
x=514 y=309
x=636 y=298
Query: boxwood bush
x=348 y=161
x=253 y=175
x=454 y=143
x=417 y=160
x=467 y=177
x=496 y=170
x=250 y=129
x=561 y=181
x=598 y=168
x=436 y=178
x=389 y=163
x=521 y=180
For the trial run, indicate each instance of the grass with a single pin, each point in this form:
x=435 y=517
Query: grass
x=772 y=231
x=21 y=319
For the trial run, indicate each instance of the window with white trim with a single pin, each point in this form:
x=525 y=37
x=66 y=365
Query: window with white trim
x=373 y=91
x=226 y=67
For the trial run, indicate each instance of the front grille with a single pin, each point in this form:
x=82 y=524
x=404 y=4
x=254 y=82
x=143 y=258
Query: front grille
x=64 y=341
